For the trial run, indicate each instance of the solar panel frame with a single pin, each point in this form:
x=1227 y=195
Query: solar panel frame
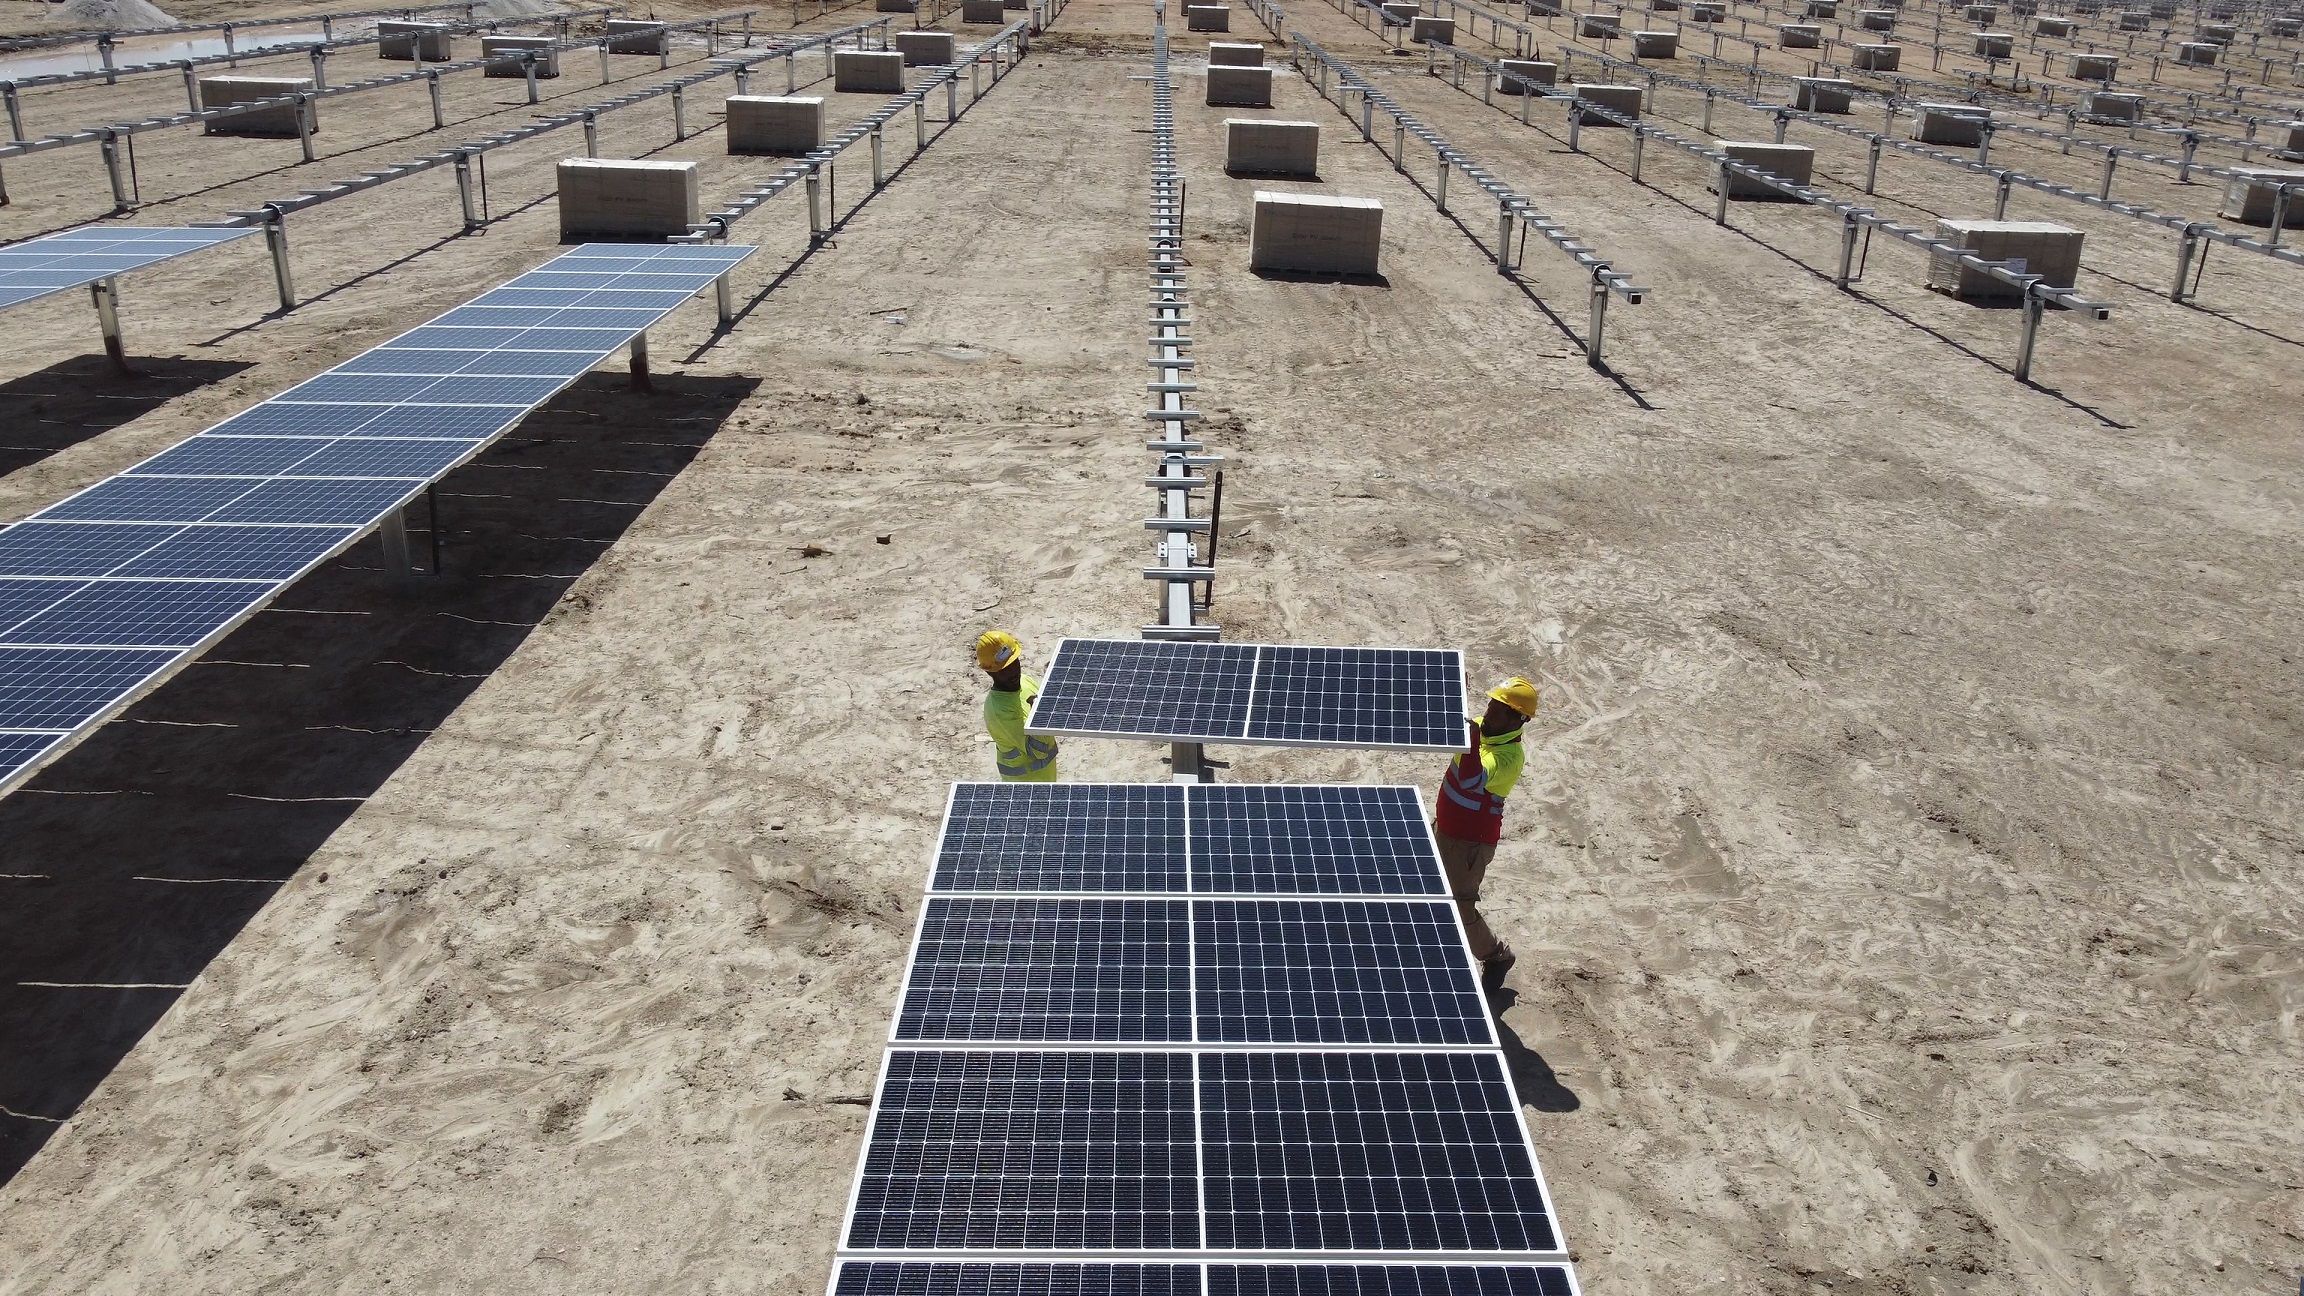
x=71 y=258
x=1065 y=702
x=934 y=1275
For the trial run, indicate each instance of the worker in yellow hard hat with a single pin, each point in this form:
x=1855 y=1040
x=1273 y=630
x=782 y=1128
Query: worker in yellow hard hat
x=1470 y=814
x=1021 y=757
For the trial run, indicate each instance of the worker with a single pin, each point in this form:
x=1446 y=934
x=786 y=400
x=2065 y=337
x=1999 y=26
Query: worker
x=1470 y=813
x=1021 y=757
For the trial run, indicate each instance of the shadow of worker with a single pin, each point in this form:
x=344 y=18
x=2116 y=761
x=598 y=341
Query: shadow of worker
x=1539 y=1087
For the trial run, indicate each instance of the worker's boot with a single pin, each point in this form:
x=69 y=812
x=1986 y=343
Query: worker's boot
x=1496 y=965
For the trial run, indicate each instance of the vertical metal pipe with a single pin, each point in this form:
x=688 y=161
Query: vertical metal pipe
x=1783 y=124
x=816 y=204
x=319 y=68
x=879 y=176
x=1639 y=150
x=639 y=366
x=464 y=192
x=791 y=72
x=306 y=111
x=2183 y=264
x=919 y=125
x=392 y=534
x=1984 y=146
x=1848 y=228
x=952 y=98
x=191 y=97
x=2000 y=198
x=605 y=76
x=2111 y=160
x=1575 y=125
x=1872 y=166
x=1720 y=206
x=1599 y=323
x=2280 y=194
x=276 y=240
x=106 y=294
x=1708 y=97
x=724 y=294
x=2033 y=307
x=1503 y=237
x=528 y=66
x=679 y=113
x=109 y=145
x=104 y=51
x=1440 y=186
x=16 y=107
x=2184 y=168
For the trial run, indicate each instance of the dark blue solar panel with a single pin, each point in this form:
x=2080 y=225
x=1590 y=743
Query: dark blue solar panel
x=1334 y=972
x=150 y=499
x=1276 y=839
x=1050 y=971
x=365 y=457
x=1063 y=837
x=239 y=552
x=67 y=259
x=230 y=456
x=75 y=548
x=1390 y=1280
x=1367 y=1152
x=1078 y=1151
x=337 y=388
x=1359 y=697
x=22 y=599
x=20 y=750
x=270 y=419
x=446 y=422
x=61 y=688
x=1146 y=689
x=565 y=364
x=139 y=614
x=492 y=390
x=630 y=319
x=590 y=340
x=976 y=1278
x=334 y=501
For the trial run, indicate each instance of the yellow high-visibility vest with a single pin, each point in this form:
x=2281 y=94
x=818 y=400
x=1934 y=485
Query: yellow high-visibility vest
x=1021 y=757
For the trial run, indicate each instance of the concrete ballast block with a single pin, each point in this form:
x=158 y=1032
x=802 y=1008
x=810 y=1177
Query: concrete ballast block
x=895 y=6
x=868 y=71
x=1597 y=26
x=775 y=124
x=2293 y=147
x=1439 y=31
x=2135 y=20
x=1981 y=15
x=1875 y=58
x=2251 y=192
x=224 y=91
x=544 y=48
x=2285 y=26
x=1820 y=9
x=2197 y=53
x=1960 y=124
x=1239 y=87
x=1253 y=146
x=1793 y=162
x=2092 y=67
x=1401 y=10
x=1623 y=100
x=1996 y=45
x=1656 y=44
x=637 y=36
x=431 y=42
x=1800 y=36
x=1823 y=94
x=1707 y=11
x=1534 y=70
x=615 y=198
x=927 y=48
x=1208 y=18
x=2050 y=251
x=2046 y=26
x=983 y=11
x=1316 y=234
x=1222 y=54
x=2107 y=106
x=1876 y=20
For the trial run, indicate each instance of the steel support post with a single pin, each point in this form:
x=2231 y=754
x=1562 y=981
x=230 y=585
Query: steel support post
x=2000 y=197
x=191 y=97
x=528 y=67
x=1367 y=118
x=16 y=106
x=952 y=100
x=2184 y=167
x=464 y=192
x=104 y=52
x=1720 y=205
x=392 y=533
x=919 y=125
x=320 y=68
x=1708 y=98
x=1575 y=126
x=106 y=294
x=276 y=240
x=604 y=74
x=2280 y=195
x=1639 y=148
x=791 y=72
x=591 y=134
x=2184 y=247
x=1783 y=124
x=679 y=113
x=1984 y=146
x=743 y=81
x=2111 y=160
x=1848 y=231
x=1872 y=165
x=2033 y=308
x=1599 y=322
x=1440 y=181
x=109 y=146
x=724 y=295
x=816 y=204
x=641 y=381
x=305 y=111
x=1504 y=237
x=879 y=174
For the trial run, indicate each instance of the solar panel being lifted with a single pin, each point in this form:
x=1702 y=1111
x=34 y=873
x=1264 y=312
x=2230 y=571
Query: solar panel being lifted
x=1265 y=694
x=103 y=592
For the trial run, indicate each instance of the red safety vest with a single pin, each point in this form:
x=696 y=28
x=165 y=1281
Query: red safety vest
x=1467 y=810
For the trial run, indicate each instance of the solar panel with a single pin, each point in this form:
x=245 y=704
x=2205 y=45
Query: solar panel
x=58 y=688
x=1058 y=837
x=1071 y=1150
x=977 y=1278
x=38 y=267
x=1334 y=972
x=184 y=545
x=1390 y=1280
x=1387 y=1152
x=1269 y=694
x=1050 y=971
x=1280 y=839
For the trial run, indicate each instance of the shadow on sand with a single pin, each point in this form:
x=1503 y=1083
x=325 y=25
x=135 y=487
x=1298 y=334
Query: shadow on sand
x=69 y=402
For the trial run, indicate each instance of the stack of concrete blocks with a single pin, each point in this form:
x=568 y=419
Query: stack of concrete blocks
x=2218 y=33
x=1316 y=234
x=1547 y=8
x=1253 y=146
x=2197 y=53
x=1707 y=11
x=637 y=36
x=1401 y=10
x=1995 y=45
x=2024 y=8
x=2287 y=27
x=1959 y=124
x=927 y=48
x=1793 y=162
x=1239 y=87
x=2092 y=67
x=1876 y=20
x=1981 y=15
x=1439 y=31
x=1225 y=54
x=982 y=11
x=1597 y=26
x=1800 y=36
x=1823 y=94
x=2164 y=10
x=1663 y=6
x=1208 y=18
x=2251 y=193
x=224 y=91
x=896 y=6
x=1531 y=69
x=2293 y=145
x=868 y=71
x=1820 y=9
x=2115 y=109
x=2047 y=26
x=1656 y=44
x=617 y=199
x=1622 y=100
x=1875 y=58
x=421 y=41
x=775 y=124
x=2050 y=251
x=509 y=48
x=2135 y=20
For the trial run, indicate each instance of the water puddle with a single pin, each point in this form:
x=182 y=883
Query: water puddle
x=129 y=53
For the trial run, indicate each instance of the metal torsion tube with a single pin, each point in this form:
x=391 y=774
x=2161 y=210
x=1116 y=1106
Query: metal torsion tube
x=276 y=239
x=106 y=293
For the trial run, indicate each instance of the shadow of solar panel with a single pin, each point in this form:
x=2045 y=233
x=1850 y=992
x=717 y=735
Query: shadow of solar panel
x=230 y=456
x=978 y=1278
x=1076 y=1150
x=76 y=548
x=1146 y=689
x=1367 y=1152
x=266 y=553
x=150 y=499
x=1334 y=972
x=1076 y=971
x=138 y=614
x=1276 y=839
x=58 y=688
x=1390 y=1280
x=1062 y=837
x=1359 y=697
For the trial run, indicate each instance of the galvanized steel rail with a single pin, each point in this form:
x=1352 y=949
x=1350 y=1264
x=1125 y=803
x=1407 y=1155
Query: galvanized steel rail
x=19 y=44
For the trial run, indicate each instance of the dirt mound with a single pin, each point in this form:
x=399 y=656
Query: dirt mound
x=111 y=15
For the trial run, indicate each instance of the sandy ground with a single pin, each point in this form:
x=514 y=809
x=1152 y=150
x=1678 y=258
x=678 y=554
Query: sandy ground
x=1905 y=879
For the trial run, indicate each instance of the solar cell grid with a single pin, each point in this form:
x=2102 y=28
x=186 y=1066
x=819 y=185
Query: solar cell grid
x=1358 y=697
x=150 y=499
x=1050 y=971
x=1389 y=1280
x=137 y=614
x=55 y=262
x=58 y=688
x=267 y=553
x=17 y=750
x=1062 y=837
x=1274 y=694
x=966 y=1278
x=76 y=548
x=1278 y=839
x=402 y=457
x=21 y=600
x=1146 y=688
x=1334 y=972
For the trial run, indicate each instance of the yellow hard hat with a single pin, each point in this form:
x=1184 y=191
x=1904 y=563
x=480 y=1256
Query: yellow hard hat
x=997 y=650
x=1518 y=694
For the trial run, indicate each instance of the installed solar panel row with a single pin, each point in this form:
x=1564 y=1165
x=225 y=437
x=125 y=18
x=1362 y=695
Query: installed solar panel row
x=980 y=1278
x=1264 y=694
x=103 y=591
x=56 y=262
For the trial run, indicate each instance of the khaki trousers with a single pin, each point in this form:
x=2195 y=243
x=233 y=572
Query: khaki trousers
x=1467 y=865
